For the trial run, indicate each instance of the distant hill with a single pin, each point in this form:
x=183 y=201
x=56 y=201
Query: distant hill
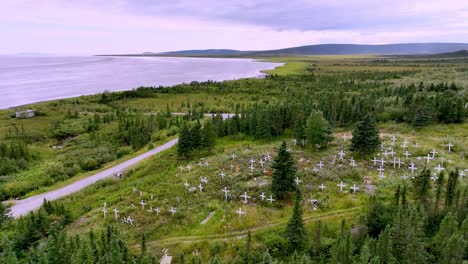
x=456 y=54
x=205 y=52
x=333 y=49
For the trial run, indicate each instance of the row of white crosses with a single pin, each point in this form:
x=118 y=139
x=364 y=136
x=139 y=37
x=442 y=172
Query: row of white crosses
x=342 y=185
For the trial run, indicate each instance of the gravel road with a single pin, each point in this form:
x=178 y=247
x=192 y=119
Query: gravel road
x=22 y=207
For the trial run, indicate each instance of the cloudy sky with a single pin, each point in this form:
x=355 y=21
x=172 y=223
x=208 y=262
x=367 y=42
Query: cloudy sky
x=133 y=26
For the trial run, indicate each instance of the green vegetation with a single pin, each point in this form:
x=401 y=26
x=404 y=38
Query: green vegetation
x=318 y=98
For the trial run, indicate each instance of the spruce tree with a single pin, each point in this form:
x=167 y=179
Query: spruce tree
x=283 y=174
x=184 y=145
x=451 y=188
x=318 y=130
x=422 y=185
x=295 y=233
x=208 y=136
x=4 y=213
x=365 y=137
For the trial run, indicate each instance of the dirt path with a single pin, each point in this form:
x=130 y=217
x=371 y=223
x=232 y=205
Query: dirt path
x=243 y=233
x=22 y=207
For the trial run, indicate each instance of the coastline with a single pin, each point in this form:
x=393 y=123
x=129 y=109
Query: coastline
x=261 y=73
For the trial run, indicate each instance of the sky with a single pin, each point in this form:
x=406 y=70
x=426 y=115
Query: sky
x=135 y=26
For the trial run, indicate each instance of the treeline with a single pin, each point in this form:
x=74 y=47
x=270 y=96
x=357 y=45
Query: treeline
x=195 y=138
x=342 y=97
x=14 y=156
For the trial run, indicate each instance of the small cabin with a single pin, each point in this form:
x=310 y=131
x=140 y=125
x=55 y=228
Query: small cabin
x=25 y=114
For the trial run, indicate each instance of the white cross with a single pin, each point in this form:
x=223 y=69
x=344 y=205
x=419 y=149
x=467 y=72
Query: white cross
x=321 y=164
x=135 y=189
x=353 y=163
x=130 y=220
x=386 y=153
x=251 y=167
x=405 y=143
x=393 y=139
x=406 y=154
x=246 y=197
x=412 y=167
x=303 y=142
x=375 y=161
x=434 y=177
x=151 y=209
x=265 y=171
x=404 y=177
x=396 y=161
x=334 y=159
x=104 y=211
x=268 y=157
x=321 y=187
x=233 y=156
x=203 y=180
x=200 y=163
x=271 y=199
x=232 y=166
x=200 y=186
x=382 y=146
x=433 y=152
x=240 y=212
x=151 y=196
x=355 y=188
x=141 y=193
x=428 y=158
x=181 y=168
x=392 y=152
x=189 y=168
x=381 y=176
x=439 y=168
x=142 y=204
x=419 y=158
x=382 y=162
x=261 y=163
x=207 y=164
x=341 y=185
x=115 y=213
x=157 y=210
x=416 y=145
x=226 y=191
x=341 y=154
x=461 y=173
x=449 y=145
x=345 y=136
x=297 y=181
x=173 y=210
x=222 y=174
x=294 y=142
x=381 y=170
x=252 y=161
x=263 y=196
x=315 y=170
x=186 y=184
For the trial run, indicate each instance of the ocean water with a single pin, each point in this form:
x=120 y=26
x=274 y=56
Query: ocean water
x=25 y=80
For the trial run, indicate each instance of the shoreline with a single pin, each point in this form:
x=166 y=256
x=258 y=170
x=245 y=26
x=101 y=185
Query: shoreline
x=259 y=74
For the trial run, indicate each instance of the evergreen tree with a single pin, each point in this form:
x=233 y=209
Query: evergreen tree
x=248 y=245
x=422 y=116
x=208 y=136
x=195 y=136
x=295 y=233
x=451 y=188
x=365 y=137
x=267 y=259
x=184 y=145
x=318 y=130
x=422 y=185
x=4 y=213
x=283 y=174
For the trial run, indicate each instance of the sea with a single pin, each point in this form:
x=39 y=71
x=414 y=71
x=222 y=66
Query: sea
x=30 y=79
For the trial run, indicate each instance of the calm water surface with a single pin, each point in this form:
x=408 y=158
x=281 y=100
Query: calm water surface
x=26 y=80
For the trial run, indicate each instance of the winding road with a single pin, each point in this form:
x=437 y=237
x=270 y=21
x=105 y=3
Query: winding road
x=22 y=207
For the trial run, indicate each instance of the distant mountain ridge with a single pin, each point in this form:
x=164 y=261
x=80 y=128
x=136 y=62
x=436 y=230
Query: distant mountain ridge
x=333 y=49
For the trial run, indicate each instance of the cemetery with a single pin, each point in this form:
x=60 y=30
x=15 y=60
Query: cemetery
x=281 y=178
